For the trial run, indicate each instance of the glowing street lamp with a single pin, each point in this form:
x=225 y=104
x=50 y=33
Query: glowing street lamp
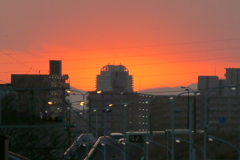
x=68 y=91
x=82 y=103
x=50 y=103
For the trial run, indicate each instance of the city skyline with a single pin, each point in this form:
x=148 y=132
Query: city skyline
x=163 y=44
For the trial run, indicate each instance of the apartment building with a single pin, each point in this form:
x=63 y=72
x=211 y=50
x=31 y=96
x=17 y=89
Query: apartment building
x=114 y=78
x=43 y=94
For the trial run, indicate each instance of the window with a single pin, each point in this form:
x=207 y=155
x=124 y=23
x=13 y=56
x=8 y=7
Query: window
x=135 y=138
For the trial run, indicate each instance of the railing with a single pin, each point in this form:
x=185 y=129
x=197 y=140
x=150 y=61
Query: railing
x=94 y=147
x=80 y=139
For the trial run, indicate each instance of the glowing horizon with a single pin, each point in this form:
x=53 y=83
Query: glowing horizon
x=162 y=43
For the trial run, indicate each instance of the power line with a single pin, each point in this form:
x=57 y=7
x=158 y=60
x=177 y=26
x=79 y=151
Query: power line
x=143 y=55
x=30 y=68
x=147 y=46
x=194 y=60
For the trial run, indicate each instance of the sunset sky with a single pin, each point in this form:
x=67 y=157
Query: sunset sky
x=162 y=43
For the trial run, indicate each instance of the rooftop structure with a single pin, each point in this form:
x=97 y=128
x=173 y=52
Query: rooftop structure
x=114 y=78
x=44 y=91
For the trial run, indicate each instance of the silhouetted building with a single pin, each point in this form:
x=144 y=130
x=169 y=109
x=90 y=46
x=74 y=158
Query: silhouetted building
x=114 y=78
x=55 y=67
x=232 y=77
x=120 y=104
x=43 y=95
x=116 y=88
x=154 y=113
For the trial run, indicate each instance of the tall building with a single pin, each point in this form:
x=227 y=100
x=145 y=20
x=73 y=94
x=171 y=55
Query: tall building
x=114 y=78
x=116 y=88
x=46 y=93
x=232 y=77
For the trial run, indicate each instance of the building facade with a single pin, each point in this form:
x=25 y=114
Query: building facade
x=154 y=113
x=107 y=111
x=43 y=95
x=114 y=90
x=114 y=78
x=232 y=77
x=132 y=111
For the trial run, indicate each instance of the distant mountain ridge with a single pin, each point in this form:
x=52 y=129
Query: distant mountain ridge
x=155 y=91
x=78 y=90
x=167 y=90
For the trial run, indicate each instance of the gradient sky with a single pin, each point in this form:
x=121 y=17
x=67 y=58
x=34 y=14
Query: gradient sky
x=162 y=43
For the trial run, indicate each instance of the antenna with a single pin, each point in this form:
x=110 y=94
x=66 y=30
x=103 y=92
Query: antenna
x=215 y=70
x=139 y=87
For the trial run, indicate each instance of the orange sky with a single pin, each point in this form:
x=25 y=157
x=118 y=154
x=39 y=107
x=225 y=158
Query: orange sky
x=163 y=44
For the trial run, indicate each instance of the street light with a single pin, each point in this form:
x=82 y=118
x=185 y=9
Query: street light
x=125 y=105
x=82 y=103
x=95 y=110
x=80 y=112
x=105 y=110
x=104 y=144
x=178 y=140
x=172 y=122
x=172 y=117
x=211 y=138
x=50 y=102
x=148 y=141
x=233 y=87
x=124 y=124
x=173 y=99
x=188 y=107
x=189 y=119
x=98 y=92
x=125 y=142
x=147 y=123
x=172 y=125
x=194 y=106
